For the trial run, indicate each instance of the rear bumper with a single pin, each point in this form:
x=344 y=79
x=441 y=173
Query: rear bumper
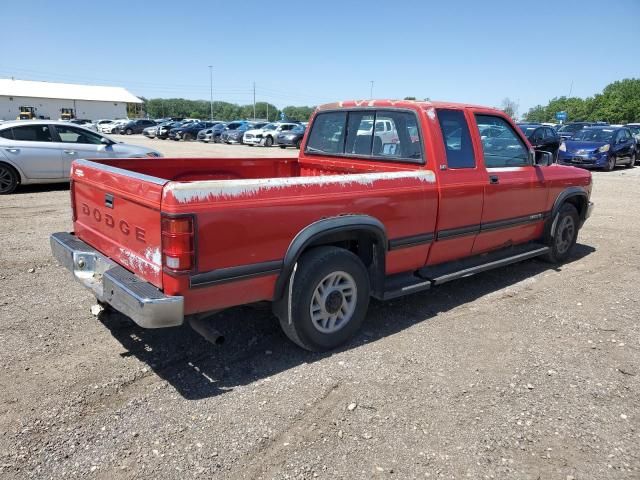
x=115 y=285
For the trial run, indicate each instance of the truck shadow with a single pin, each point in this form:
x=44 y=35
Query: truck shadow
x=255 y=347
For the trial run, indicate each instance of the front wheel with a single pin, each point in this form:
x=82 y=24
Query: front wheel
x=298 y=142
x=564 y=235
x=128 y=131
x=268 y=142
x=611 y=163
x=9 y=179
x=326 y=300
x=283 y=147
x=186 y=137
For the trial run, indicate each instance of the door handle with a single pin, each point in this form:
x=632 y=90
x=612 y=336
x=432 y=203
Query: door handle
x=70 y=152
x=494 y=179
x=12 y=150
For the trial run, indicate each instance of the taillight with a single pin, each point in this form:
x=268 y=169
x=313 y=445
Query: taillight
x=74 y=214
x=177 y=243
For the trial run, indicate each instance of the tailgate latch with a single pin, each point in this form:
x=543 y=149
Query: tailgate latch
x=108 y=200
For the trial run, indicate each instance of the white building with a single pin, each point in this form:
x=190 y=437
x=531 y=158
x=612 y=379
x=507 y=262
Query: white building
x=87 y=101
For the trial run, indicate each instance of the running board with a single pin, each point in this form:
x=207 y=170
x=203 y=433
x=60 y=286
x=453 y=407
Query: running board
x=403 y=284
x=440 y=274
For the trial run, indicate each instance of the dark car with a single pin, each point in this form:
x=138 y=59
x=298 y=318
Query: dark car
x=292 y=138
x=163 y=130
x=599 y=147
x=135 y=126
x=188 y=131
x=569 y=130
x=211 y=134
x=235 y=131
x=543 y=138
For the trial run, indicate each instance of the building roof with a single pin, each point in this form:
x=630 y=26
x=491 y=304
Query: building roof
x=67 y=91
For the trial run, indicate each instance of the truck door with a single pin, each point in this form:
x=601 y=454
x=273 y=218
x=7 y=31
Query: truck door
x=461 y=180
x=515 y=193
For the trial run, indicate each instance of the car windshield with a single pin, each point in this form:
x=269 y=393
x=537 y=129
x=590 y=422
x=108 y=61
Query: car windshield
x=571 y=128
x=233 y=126
x=270 y=126
x=527 y=130
x=594 y=135
x=298 y=129
x=635 y=130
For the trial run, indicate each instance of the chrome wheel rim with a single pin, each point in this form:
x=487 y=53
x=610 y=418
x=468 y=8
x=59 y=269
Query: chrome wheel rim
x=333 y=302
x=6 y=179
x=566 y=231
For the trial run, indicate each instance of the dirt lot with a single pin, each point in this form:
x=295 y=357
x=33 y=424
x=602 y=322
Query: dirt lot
x=529 y=372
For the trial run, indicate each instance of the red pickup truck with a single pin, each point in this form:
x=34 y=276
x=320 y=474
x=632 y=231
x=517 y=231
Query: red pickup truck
x=385 y=199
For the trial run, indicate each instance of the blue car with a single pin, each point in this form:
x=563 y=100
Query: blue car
x=599 y=147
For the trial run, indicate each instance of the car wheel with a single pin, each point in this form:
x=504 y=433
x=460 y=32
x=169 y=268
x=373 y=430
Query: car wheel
x=128 y=131
x=564 y=234
x=268 y=142
x=611 y=163
x=9 y=179
x=326 y=300
x=298 y=142
x=186 y=137
x=282 y=146
x=632 y=162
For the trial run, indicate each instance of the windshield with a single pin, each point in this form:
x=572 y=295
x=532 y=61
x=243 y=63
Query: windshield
x=594 y=135
x=233 y=126
x=299 y=129
x=526 y=130
x=635 y=130
x=571 y=128
x=270 y=126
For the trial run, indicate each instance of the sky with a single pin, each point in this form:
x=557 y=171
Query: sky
x=312 y=52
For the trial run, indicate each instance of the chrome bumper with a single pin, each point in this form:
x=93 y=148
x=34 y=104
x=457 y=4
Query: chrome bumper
x=115 y=285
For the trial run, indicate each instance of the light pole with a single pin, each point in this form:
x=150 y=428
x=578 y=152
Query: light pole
x=211 y=89
x=371 y=90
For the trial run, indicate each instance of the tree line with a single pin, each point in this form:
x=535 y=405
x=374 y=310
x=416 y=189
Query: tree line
x=181 y=107
x=619 y=102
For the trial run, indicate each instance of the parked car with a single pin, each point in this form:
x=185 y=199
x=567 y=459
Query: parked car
x=42 y=151
x=599 y=147
x=83 y=122
x=635 y=131
x=292 y=138
x=542 y=138
x=266 y=135
x=163 y=130
x=135 y=126
x=351 y=218
x=569 y=130
x=113 y=126
x=98 y=123
x=188 y=131
x=212 y=134
x=235 y=131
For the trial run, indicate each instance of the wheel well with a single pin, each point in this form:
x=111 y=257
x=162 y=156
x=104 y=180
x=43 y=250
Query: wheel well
x=580 y=202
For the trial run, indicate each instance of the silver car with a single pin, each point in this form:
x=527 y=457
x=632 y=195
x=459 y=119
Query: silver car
x=41 y=151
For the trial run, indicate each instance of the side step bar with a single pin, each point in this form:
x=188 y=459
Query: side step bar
x=404 y=284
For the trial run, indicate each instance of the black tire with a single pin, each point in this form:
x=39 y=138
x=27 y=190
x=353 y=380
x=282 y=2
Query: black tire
x=611 y=163
x=9 y=179
x=298 y=142
x=282 y=146
x=268 y=142
x=632 y=162
x=128 y=131
x=347 y=277
x=564 y=235
x=186 y=137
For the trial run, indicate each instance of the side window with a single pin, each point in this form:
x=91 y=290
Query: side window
x=77 y=135
x=32 y=133
x=457 y=139
x=327 y=133
x=505 y=149
x=7 y=133
x=359 y=133
x=549 y=133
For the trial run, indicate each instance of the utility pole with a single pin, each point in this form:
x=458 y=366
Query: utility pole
x=267 y=111
x=571 y=89
x=371 y=90
x=254 y=100
x=211 y=89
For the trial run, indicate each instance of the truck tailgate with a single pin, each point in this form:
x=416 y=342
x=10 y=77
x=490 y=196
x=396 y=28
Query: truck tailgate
x=117 y=212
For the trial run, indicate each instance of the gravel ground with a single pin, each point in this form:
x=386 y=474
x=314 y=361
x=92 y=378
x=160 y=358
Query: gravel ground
x=528 y=372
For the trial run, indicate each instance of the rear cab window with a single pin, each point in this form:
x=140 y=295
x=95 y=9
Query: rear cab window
x=379 y=134
x=456 y=139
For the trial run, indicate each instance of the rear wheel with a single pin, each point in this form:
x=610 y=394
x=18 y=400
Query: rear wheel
x=282 y=146
x=186 y=137
x=268 y=141
x=611 y=163
x=128 y=131
x=564 y=234
x=9 y=179
x=326 y=300
x=298 y=144
x=632 y=162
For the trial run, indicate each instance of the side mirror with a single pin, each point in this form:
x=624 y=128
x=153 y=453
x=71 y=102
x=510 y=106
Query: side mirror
x=543 y=158
x=106 y=141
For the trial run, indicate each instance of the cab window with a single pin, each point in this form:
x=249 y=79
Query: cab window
x=505 y=149
x=77 y=135
x=32 y=133
x=456 y=138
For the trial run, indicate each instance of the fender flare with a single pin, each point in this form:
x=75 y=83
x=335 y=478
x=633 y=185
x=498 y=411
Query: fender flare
x=561 y=199
x=308 y=235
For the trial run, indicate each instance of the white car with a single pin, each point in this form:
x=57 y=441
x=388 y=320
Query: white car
x=112 y=126
x=41 y=151
x=385 y=129
x=267 y=135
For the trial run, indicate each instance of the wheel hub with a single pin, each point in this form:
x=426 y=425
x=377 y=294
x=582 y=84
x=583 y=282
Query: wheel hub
x=333 y=302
